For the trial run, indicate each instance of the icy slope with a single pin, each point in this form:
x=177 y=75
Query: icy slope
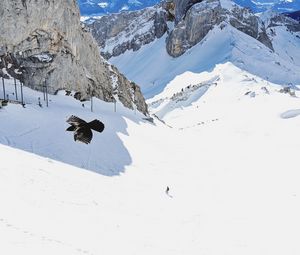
x=152 y=68
x=233 y=178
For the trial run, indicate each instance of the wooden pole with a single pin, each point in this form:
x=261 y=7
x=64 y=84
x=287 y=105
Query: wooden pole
x=47 y=103
x=44 y=93
x=16 y=91
x=3 y=88
x=22 y=97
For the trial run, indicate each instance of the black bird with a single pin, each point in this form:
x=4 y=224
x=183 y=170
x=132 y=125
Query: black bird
x=83 y=130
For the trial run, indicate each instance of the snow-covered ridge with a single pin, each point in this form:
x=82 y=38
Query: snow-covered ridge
x=222 y=44
x=190 y=99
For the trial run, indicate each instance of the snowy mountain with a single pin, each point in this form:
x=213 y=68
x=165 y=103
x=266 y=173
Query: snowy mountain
x=229 y=41
x=276 y=5
x=100 y=7
x=294 y=15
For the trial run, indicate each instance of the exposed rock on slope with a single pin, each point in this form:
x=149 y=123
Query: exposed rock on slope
x=182 y=6
x=294 y=15
x=46 y=39
x=201 y=17
x=193 y=27
x=129 y=93
x=273 y=19
x=117 y=33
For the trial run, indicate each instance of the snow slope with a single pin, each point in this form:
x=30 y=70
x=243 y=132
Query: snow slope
x=233 y=178
x=152 y=68
x=195 y=99
x=42 y=130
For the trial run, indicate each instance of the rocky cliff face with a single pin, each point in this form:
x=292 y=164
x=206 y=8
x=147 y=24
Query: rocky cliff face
x=129 y=93
x=181 y=8
x=117 y=33
x=45 y=40
x=193 y=25
x=276 y=20
x=202 y=16
x=186 y=23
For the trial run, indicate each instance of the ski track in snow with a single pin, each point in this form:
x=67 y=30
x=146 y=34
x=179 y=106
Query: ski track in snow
x=290 y=114
x=41 y=238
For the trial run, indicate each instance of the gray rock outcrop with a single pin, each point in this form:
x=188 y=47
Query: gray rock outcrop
x=45 y=41
x=129 y=93
x=202 y=17
x=276 y=20
x=194 y=26
x=182 y=6
x=117 y=33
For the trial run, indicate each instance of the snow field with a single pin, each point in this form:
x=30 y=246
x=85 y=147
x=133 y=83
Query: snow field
x=233 y=179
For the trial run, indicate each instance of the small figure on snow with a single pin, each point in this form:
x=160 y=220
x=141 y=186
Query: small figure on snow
x=39 y=102
x=167 y=192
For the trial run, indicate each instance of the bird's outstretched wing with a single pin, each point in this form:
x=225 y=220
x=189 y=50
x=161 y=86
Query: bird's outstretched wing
x=83 y=134
x=75 y=121
x=96 y=125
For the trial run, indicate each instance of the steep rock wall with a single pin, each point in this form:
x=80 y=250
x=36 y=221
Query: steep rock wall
x=117 y=33
x=45 y=39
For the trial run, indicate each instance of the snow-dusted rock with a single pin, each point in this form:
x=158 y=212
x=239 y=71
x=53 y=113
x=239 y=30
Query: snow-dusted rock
x=117 y=33
x=204 y=16
x=182 y=6
x=198 y=20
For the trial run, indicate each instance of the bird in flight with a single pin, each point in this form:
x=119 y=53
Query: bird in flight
x=83 y=130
